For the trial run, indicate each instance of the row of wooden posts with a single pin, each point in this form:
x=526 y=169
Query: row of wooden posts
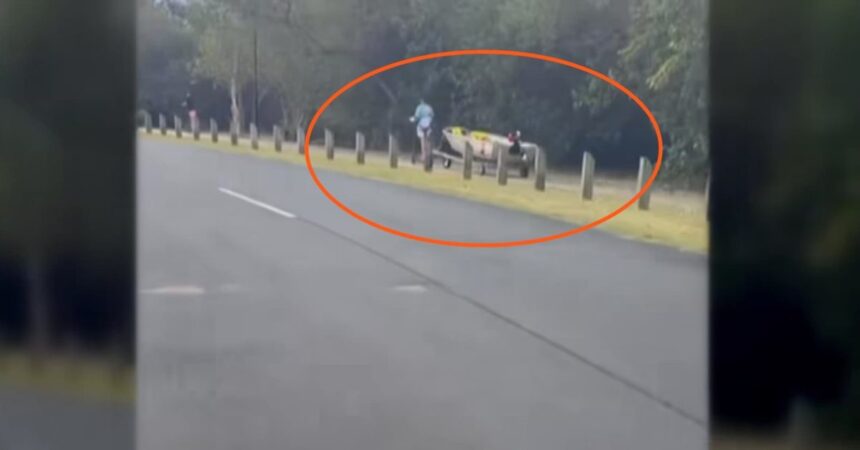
x=586 y=180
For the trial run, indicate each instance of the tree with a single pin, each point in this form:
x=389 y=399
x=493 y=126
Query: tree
x=225 y=50
x=307 y=48
x=664 y=61
x=164 y=54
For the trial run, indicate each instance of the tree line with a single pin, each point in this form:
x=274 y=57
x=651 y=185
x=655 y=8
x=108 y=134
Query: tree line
x=306 y=49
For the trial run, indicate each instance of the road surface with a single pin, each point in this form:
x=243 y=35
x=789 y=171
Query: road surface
x=33 y=419
x=270 y=319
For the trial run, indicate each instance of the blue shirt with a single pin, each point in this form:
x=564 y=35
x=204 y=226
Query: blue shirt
x=424 y=115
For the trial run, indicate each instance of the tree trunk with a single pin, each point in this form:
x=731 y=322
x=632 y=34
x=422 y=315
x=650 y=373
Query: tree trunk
x=297 y=118
x=392 y=97
x=285 y=115
x=235 y=112
x=391 y=119
x=235 y=97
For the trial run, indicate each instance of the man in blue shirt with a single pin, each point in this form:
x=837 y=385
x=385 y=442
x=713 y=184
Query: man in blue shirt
x=424 y=116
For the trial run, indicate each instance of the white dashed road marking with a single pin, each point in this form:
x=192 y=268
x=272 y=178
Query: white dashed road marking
x=258 y=203
x=175 y=290
x=411 y=288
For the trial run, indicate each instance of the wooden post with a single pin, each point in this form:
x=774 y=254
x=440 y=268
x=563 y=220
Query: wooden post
x=393 y=151
x=147 y=122
x=540 y=169
x=501 y=163
x=234 y=133
x=278 y=136
x=329 y=144
x=177 y=126
x=468 y=159
x=644 y=174
x=427 y=154
x=587 y=179
x=195 y=128
x=254 y=138
x=300 y=139
x=359 y=147
x=213 y=129
x=162 y=124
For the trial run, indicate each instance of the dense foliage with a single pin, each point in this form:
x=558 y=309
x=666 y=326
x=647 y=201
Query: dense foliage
x=308 y=48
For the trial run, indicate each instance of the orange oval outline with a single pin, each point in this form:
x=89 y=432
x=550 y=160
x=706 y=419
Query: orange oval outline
x=466 y=52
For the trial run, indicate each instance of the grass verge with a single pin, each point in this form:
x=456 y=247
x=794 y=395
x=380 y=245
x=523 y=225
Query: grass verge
x=673 y=220
x=753 y=441
x=85 y=377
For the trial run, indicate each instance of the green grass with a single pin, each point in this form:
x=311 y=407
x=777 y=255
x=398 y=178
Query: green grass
x=87 y=377
x=675 y=219
x=753 y=441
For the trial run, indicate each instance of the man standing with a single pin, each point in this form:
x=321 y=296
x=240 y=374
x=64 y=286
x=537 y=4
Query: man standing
x=424 y=116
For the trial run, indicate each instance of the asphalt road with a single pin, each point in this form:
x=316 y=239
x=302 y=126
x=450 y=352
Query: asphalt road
x=269 y=319
x=32 y=419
